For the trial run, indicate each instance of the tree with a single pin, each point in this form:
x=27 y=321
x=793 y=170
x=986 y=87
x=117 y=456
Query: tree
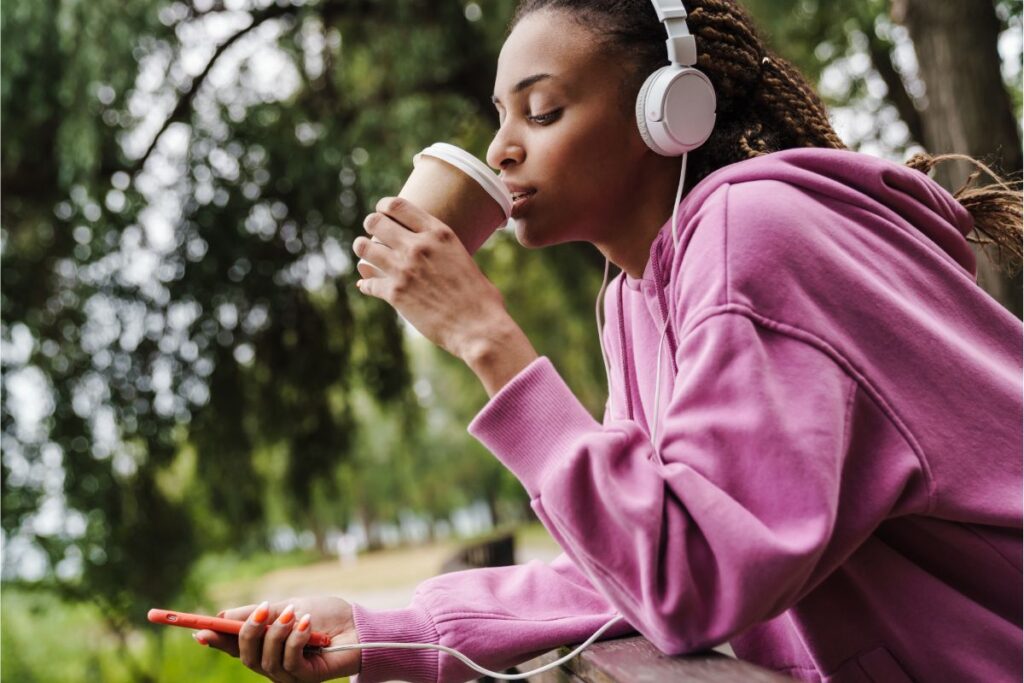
x=938 y=72
x=968 y=108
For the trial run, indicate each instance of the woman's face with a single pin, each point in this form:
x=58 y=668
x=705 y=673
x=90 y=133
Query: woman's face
x=565 y=134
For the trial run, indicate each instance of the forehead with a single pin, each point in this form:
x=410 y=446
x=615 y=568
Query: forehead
x=546 y=42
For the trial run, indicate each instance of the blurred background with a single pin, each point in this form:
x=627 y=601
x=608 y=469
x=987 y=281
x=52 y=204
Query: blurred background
x=199 y=410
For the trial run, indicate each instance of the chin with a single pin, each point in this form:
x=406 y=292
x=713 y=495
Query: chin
x=525 y=237
x=531 y=239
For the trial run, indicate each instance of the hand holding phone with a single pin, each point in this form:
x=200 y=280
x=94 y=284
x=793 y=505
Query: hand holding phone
x=279 y=649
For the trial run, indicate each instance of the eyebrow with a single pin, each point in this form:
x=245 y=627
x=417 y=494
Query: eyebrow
x=523 y=85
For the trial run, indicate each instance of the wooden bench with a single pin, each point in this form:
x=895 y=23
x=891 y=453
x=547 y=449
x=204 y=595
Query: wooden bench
x=496 y=550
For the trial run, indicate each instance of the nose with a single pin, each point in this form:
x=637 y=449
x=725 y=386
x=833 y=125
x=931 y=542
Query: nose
x=502 y=152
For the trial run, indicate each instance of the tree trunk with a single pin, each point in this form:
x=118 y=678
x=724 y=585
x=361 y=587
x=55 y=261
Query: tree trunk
x=968 y=109
x=492 y=505
x=374 y=541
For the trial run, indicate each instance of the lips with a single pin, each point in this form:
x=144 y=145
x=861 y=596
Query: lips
x=520 y=200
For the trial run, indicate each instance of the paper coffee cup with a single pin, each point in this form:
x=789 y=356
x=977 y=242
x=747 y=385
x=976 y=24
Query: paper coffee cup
x=472 y=201
x=455 y=187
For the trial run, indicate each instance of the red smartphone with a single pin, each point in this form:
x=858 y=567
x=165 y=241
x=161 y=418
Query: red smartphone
x=230 y=626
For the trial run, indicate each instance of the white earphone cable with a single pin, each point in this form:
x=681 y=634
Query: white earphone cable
x=469 y=662
x=600 y=326
x=668 y=316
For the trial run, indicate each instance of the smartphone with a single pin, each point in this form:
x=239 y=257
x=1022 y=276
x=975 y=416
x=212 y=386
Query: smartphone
x=230 y=626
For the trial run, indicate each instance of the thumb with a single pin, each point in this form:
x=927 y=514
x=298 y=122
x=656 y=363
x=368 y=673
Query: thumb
x=218 y=641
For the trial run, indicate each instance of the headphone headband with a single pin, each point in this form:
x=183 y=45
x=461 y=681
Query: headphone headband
x=681 y=45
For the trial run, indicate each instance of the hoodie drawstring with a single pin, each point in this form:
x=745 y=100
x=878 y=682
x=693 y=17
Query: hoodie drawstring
x=656 y=269
x=627 y=390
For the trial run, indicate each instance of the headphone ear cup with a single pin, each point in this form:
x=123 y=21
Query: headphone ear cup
x=690 y=104
x=675 y=110
x=641 y=116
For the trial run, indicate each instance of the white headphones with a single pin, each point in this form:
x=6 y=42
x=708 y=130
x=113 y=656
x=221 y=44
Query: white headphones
x=675 y=109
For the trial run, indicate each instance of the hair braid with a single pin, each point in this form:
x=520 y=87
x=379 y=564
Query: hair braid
x=792 y=101
x=996 y=209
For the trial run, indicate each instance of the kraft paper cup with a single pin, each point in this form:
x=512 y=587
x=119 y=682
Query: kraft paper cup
x=455 y=187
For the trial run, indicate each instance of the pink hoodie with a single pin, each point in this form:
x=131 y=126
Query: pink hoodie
x=837 y=485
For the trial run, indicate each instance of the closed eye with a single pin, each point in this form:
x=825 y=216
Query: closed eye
x=545 y=119
x=542 y=119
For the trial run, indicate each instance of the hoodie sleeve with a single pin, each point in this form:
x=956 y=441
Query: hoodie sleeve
x=729 y=524
x=498 y=617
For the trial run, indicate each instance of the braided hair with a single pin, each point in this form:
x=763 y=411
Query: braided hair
x=764 y=103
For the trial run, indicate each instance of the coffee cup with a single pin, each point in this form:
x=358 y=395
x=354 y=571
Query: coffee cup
x=458 y=189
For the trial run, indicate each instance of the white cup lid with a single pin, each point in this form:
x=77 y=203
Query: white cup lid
x=474 y=168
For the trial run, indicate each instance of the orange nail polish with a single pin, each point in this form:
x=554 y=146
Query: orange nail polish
x=303 y=624
x=260 y=615
x=286 y=616
x=199 y=639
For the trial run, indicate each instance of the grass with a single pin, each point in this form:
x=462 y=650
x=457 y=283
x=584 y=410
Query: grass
x=47 y=640
x=231 y=566
x=382 y=570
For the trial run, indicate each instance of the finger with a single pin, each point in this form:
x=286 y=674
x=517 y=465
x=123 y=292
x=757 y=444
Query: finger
x=386 y=230
x=367 y=269
x=273 y=643
x=250 y=637
x=405 y=212
x=294 y=659
x=377 y=255
x=237 y=613
x=376 y=287
x=219 y=641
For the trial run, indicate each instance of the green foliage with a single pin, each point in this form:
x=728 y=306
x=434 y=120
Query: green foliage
x=242 y=382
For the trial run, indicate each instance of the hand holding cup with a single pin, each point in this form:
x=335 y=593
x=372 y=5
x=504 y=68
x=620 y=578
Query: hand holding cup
x=459 y=190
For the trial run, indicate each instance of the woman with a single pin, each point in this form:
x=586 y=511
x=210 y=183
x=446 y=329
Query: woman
x=812 y=445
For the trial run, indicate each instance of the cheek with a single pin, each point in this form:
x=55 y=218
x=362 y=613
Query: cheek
x=594 y=161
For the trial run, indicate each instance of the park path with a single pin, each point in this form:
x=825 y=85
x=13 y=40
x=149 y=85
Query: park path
x=380 y=580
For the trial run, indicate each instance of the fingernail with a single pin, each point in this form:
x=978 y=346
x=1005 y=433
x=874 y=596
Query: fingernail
x=287 y=615
x=199 y=639
x=303 y=624
x=260 y=615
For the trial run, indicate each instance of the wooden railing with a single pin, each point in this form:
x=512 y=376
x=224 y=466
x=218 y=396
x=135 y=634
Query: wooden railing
x=635 y=660
x=622 y=660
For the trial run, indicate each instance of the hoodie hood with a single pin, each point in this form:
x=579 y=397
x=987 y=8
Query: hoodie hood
x=896 y=192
